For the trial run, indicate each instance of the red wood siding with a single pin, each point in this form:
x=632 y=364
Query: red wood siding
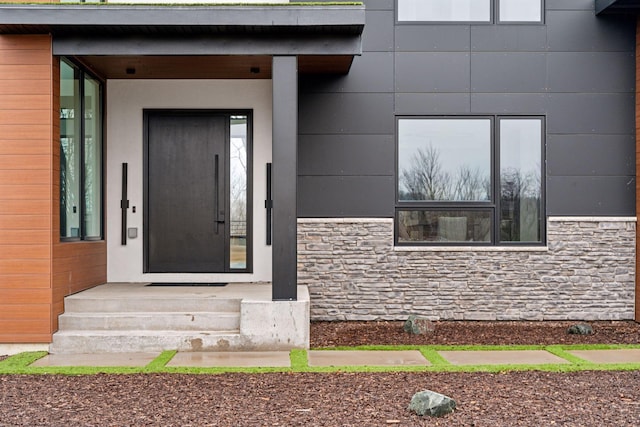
x=36 y=270
x=26 y=84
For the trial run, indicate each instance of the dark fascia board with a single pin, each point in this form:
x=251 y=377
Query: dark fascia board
x=62 y=16
x=609 y=7
x=204 y=45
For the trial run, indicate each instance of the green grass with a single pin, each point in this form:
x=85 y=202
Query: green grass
x=20 y=363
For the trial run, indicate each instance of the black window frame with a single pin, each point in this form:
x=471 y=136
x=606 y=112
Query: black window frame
x=493 y=204
x=494 y=17
x=83 y=73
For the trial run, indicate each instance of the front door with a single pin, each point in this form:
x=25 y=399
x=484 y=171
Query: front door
x=186 y=212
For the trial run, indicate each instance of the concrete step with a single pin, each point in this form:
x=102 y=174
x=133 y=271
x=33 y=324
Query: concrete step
x=96 y=341
x=83 y=304
x=178 y=321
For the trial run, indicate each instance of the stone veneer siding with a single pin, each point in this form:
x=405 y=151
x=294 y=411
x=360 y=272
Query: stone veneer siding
x=354 y=272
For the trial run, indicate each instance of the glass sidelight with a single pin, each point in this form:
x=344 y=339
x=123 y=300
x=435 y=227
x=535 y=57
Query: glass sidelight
x=80 y=154
x=238 y=174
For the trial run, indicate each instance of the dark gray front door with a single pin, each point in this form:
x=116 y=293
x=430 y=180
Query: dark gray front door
x=185 y=205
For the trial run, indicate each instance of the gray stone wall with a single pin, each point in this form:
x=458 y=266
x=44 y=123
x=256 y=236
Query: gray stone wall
x=354 y=272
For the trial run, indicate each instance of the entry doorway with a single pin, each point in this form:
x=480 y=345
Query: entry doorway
x=197 y=191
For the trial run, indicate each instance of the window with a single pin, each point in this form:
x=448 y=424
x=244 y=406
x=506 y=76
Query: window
x=471 y=180
x=479 y=11
x=444 y=11
x=520 y=11
x=80 y=154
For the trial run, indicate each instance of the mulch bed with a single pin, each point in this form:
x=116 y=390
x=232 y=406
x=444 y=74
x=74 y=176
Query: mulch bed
x=332 y=334
x=587 y=398
x=339 y=399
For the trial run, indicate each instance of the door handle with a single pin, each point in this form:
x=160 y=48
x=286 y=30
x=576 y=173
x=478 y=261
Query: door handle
x=218 y=217
x=124 y=205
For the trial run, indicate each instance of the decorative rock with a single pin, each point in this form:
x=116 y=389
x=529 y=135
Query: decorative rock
x=581 y=329
x=418 y=325
x=430 y=403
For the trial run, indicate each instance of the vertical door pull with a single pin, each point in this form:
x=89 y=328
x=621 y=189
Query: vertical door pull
x=124 y=204
x=268 y=204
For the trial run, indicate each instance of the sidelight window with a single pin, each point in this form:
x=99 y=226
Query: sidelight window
x=80 y=154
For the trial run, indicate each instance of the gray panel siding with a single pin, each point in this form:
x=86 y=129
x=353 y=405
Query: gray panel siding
x=370 y=73
x=602 y=195
x=577 y=70
x=344 y=196
x=432 y=38
x=527 y=72
x=591 y=155
x=582 y=31
x=432 y=72
x=355 y=155
x=606 y=72
x=509 y=38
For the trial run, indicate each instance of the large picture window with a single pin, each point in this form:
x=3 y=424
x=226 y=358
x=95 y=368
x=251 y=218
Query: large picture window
x=470 y=180
x=478 y=11
x=80 y=154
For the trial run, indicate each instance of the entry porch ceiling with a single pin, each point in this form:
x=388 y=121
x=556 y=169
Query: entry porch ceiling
x=200 y=41
x=610 y=7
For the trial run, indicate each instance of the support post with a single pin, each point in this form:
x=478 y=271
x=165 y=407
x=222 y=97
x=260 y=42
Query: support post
x=284 y=177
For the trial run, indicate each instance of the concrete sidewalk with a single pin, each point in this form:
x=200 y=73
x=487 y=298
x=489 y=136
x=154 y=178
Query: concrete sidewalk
x=328 y=358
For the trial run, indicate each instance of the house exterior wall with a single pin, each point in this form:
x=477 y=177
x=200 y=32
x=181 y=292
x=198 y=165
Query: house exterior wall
x=354 y=272
x=575 y=69
x=36 y=270
x=126 y=100
x=26 y=178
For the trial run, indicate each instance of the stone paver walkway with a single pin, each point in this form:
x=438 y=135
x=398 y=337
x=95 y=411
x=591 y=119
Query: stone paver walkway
x=327 y=358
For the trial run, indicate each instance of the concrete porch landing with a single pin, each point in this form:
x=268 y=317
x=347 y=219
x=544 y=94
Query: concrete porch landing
x=134 y=318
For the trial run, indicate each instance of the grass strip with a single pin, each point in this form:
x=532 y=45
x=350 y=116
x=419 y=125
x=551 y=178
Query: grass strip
x=434 y=357
x=161 y=361
x=299 y=360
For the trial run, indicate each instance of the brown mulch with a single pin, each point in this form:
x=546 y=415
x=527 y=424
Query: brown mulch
x=332 y=334
x=588 y=398
x=338 y=399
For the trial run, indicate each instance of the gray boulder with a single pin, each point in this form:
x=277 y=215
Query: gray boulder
x=418 y=325
x=581 y=329
x=430 y=403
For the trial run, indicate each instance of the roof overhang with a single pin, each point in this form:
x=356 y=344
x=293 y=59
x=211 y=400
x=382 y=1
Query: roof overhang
x=329 y=30
x=621 y=7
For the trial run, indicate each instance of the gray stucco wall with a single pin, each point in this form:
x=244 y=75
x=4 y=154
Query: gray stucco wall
x=576 y=69
x=354 y=272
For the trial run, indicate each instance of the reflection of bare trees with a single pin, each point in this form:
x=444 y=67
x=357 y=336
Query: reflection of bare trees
x=425 y=179
x=238 y=185
x=520 y=204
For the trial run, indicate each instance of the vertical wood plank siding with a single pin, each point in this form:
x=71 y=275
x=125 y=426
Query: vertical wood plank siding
x=36 y=270
x=26 y=128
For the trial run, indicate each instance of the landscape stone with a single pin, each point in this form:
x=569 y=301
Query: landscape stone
x=581 y=329
x=430 y=403
x=418 y=325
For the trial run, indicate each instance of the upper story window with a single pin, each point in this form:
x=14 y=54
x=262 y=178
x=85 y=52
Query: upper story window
x=470 y=180
x=469 y=11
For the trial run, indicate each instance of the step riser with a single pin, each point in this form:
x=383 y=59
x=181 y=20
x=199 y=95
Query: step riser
x=142 y=343
x=87 y=305
x=151 y=322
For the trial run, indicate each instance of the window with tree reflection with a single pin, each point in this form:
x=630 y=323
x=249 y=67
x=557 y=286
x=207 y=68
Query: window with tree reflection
x=470 y=180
